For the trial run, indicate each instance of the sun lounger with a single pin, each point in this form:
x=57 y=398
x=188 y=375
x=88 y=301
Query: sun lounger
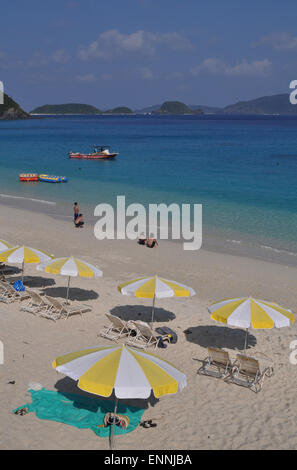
x=60 y=309
x=216 y=364
x=117 y=328
x=145 y=336
x=246 y=372
x=8 y=294
x=36 y=304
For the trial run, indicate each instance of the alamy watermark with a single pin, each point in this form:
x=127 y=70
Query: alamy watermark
x=293 y=354
x=1 y=353
x=1 y=93
x=176 y=222
x=293 y=94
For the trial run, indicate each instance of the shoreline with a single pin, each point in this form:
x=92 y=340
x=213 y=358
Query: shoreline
x=213 y=241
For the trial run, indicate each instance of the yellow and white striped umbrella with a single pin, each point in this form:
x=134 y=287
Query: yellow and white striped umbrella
x=128 y=372
x=155 y=287
x=71 y=267
x=24 y=255
x=4 y=245
x=131 y=373
x=246 y=312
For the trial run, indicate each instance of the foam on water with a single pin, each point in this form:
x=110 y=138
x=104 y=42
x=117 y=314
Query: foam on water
x=9 y=196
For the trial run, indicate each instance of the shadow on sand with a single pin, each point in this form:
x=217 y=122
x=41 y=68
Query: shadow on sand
x=67 y=385
x=10 y=270
x=75 y=293
x=219 y=337
x=141 y=312
x=38 y=281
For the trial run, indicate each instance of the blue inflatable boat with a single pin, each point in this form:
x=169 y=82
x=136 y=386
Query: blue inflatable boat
x=53 y=179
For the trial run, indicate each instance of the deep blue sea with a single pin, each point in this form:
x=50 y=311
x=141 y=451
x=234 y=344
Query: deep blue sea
x=242 y=169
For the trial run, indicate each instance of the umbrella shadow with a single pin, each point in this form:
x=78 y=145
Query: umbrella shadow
x=142 y=312
x=10 y=269
x=75 y=293
x=219 y=337
x=38 y=281
x=68 y=387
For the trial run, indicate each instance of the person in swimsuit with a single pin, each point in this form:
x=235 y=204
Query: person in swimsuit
x=141 y=239
x=79 y=223
x=76 y=211
x=151 y=242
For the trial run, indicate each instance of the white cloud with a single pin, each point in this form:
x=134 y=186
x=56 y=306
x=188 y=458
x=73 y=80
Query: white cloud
x=87 y=78
x=106 y=76
x=145 y=73
x=216 y=67
x=112 y=44
x=278 y=41
x=60 y=56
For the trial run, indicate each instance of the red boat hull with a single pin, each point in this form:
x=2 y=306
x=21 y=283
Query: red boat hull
x=28 y=177
x=90 y=156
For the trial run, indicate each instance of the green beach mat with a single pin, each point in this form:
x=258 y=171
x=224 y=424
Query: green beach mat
x=79 y=411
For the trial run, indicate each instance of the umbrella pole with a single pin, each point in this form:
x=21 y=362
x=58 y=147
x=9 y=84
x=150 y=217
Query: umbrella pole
x=113 y=424
x=67 y=295
x=246 y=340
x=153 y=309
x=23 y=272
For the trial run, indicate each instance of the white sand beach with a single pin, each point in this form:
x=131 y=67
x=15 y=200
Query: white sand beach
x=208 y=413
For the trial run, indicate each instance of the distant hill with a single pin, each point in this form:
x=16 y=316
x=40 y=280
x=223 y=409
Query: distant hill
x=275 y=104
x=69 y=108
x=194 y=107
x=204 y=108
x=176 y=107
x=119 y=110
x=148 y=109
x=11 y=110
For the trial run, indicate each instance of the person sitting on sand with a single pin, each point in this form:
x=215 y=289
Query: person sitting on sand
x=79 y=221
x=142 y=239
x=151 y=242
x=76 y=211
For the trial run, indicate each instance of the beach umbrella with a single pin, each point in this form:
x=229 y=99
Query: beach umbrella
x=24 y=255
x=4 y=245
x=247 y=312
x=127 y=371
x=71 y=267
x=155 y=287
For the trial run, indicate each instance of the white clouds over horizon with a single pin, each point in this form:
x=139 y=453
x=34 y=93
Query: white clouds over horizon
x=60 y=56
x=112 y=44
x=281 y=41
x=217 y=67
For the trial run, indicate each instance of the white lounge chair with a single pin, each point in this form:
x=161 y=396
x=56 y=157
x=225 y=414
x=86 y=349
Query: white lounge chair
x=145 y=336
x=36 y=304
x=60 y=309
x=246 y=372
x=216 y=364
x=8 y=294
x=116 y=329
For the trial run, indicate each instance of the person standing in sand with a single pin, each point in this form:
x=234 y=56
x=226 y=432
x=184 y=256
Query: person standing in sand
x=76 y=211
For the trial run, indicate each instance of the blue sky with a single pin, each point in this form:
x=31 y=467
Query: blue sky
x=143 y=52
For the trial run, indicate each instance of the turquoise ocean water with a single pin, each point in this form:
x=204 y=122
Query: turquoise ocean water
x=243 y=170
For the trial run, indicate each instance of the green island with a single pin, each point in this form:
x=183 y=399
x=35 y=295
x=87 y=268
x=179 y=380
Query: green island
x=119 y=110
x=68 y=108
x=11 y=110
